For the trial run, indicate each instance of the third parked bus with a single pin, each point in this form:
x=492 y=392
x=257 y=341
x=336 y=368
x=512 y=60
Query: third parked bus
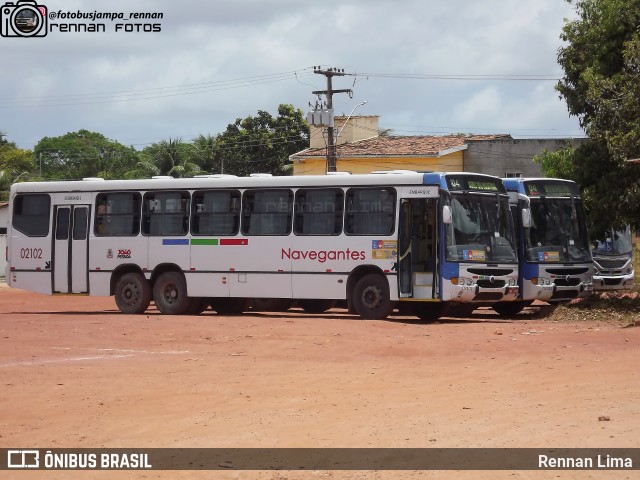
x=613 y=259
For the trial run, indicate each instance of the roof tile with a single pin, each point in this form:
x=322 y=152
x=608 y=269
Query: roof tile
x=400 y=145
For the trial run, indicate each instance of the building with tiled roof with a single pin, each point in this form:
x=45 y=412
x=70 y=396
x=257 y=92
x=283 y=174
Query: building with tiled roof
x=389 y=153
x=361 y=150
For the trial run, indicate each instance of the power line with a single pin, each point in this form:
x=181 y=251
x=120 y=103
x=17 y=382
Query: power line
x=148 y=93
x=474 y=77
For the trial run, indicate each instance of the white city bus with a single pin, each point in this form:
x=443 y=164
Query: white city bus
x=373 y=240
x=555 y=259
x=613 y=260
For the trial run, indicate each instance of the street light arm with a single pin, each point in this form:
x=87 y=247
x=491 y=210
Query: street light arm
x=345 y=122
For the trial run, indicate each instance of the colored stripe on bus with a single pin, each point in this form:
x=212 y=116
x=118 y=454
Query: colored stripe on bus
x=234 y=241
x=175 y=241
x=204 y=241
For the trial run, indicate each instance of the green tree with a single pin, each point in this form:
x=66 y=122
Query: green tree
x=171 y=157
x=206 y=153
x=3 y=139
x=601 y=85
x=263 y=143
x=610 y=189
x=16 y=164
x=83 y=154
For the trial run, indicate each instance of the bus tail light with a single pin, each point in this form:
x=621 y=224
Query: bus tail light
x=534 y=281
x=454 y=280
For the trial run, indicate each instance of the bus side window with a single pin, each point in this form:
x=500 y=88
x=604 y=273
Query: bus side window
x=31 y=214
x=215 y=212
x=267 y=212
x=117 y=214
x=166 y=213
x=318 y=211
x=370 y=211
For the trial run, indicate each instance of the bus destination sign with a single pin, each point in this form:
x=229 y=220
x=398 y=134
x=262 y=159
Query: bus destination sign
x=551 y=189
x=474 y=184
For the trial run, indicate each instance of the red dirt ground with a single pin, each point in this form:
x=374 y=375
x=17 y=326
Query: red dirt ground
x=76 y=373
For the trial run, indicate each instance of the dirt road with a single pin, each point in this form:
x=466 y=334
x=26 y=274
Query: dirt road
x=76 y=373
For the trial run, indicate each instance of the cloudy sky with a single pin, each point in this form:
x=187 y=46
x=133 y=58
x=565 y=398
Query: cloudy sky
x=214 y=61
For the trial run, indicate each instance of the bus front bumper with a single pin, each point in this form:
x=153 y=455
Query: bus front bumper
x=473 y=293
x=613 y=282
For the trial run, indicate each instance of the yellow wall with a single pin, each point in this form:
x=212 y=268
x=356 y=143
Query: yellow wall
x=447 y=163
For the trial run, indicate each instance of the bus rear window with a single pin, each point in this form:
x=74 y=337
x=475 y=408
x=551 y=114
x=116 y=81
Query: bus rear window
x=31 y=214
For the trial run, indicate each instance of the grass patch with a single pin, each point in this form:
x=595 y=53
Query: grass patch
x=620 y=307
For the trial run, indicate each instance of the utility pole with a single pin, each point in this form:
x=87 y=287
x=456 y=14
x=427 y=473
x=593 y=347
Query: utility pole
x=331 y=140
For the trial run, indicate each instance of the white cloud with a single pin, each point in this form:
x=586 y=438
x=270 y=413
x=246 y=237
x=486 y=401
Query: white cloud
x=206 y=42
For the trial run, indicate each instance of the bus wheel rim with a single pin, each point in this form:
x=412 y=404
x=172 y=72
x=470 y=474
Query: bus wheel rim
x=371 y=296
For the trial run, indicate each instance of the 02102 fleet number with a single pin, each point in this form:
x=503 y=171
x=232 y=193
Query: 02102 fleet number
x=30 y=253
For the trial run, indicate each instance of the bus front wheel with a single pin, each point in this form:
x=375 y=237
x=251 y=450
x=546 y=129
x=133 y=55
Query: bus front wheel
x=170 y=294
x=371 y=297
x=133 y=293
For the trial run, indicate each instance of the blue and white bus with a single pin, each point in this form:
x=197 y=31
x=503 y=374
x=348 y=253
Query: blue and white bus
x=376 y=241
x=613 y=259
x=554 y=250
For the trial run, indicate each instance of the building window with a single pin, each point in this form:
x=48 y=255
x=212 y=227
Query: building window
x=513 y=174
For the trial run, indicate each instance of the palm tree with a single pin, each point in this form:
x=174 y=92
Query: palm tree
x=171 y=157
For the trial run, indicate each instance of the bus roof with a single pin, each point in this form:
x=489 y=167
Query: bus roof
x=393 y=177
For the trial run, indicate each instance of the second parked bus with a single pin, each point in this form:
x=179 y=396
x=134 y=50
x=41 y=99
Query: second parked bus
x=554 y=250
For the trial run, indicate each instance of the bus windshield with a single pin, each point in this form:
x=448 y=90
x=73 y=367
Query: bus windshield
x=481 y=229
x=617 y=242
x=558 y=231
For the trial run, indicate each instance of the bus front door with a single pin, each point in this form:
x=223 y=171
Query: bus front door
x=70 y=249
x=417 y=247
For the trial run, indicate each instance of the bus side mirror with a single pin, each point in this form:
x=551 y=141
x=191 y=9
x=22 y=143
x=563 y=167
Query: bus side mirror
x=526 y=218
x=446 y=215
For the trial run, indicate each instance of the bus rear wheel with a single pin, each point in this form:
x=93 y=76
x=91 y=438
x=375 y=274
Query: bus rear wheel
x=170 y=294
x=133 y=293
x=371 y=297
x=316 y=306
